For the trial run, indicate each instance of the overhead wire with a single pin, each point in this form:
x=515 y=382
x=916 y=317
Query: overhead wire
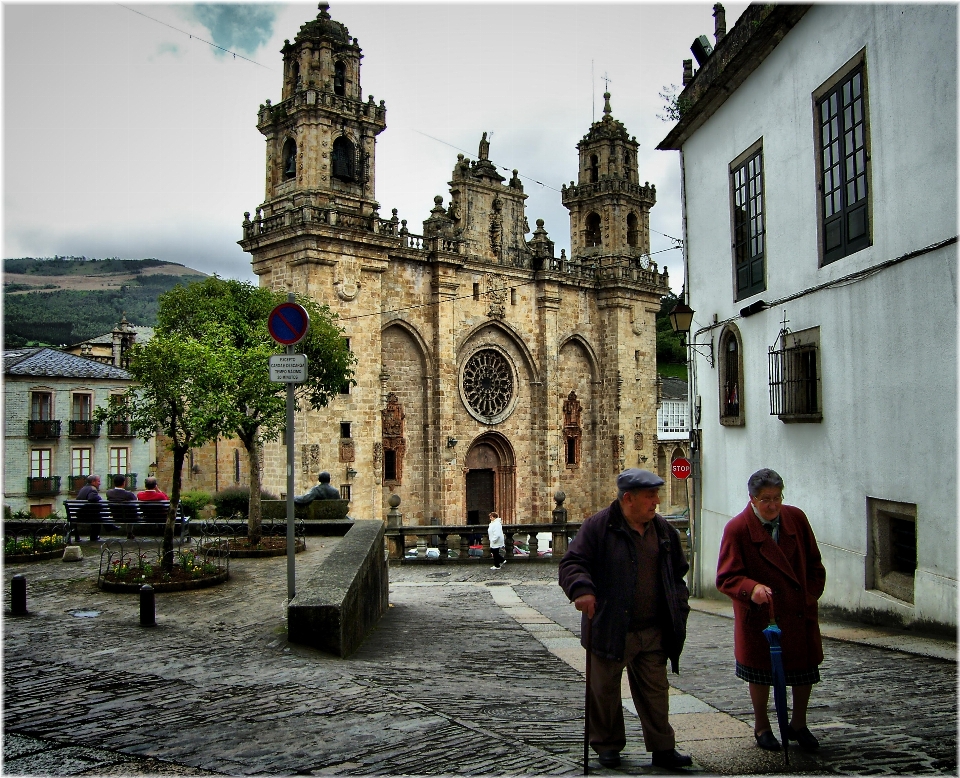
x=192 y=36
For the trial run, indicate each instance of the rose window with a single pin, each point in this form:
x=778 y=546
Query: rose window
x=488 y=385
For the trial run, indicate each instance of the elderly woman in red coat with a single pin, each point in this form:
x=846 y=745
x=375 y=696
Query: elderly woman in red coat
x=769 y=555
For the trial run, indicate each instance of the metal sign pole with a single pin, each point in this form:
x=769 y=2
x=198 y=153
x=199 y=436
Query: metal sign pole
x=291 y=544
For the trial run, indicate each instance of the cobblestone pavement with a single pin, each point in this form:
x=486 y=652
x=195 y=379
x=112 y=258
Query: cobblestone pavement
x=472 y=671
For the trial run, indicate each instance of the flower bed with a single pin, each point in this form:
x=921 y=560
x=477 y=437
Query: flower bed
x=127 y=572
x=32 y=549
x=240 y=548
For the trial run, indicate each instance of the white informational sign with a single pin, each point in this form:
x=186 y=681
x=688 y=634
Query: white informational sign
x=288 y=368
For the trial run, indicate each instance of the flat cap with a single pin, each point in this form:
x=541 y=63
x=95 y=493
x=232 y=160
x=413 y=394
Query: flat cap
x=634 y=478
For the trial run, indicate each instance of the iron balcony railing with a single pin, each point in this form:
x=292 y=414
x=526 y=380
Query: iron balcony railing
x=84 y=428
x=43 y=429
x=43 y=486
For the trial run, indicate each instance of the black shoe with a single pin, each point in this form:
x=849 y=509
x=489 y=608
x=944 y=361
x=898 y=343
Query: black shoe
x=671 y=760
x=609 y=758
x=804 y=737
x=767 y=741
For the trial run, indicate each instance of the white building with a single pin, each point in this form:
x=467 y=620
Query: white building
x=51 y=440
x=672 y=442
x=819 y=157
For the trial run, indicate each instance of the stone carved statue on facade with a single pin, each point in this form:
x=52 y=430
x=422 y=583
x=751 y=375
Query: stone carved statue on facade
x=393 y=417
x=392 y=423
x=496 y=227
x=484 y=147
x=497 y=294
x=572 y=411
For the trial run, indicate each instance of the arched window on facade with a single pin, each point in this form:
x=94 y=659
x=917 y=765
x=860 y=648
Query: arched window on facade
x=594 y=168
x=344 y=160
x=340 y=79
x=731 y=378
x=295 y=74
x=289 y=157
x=626 y=165
x=633 y=238
x=593 y=235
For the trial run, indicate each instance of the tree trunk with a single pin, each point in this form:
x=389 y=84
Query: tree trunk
x=254 y=515
x=179 y=454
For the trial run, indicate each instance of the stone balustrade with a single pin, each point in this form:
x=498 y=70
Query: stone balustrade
x=456 y=537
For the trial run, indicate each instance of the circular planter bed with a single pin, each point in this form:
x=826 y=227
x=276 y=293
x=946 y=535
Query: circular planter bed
x=240 y=548
x=178 y=580
x=15 y=559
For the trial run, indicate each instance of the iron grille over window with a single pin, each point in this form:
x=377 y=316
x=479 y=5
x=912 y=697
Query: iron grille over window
x=842 y=123
x=795 y=380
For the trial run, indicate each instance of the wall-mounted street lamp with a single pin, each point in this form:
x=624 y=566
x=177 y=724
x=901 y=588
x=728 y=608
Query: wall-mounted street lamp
x=351 y=472
x=681 y=319
x=452 y=442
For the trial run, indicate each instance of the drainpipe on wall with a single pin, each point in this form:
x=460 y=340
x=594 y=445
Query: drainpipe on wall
x=693 y=576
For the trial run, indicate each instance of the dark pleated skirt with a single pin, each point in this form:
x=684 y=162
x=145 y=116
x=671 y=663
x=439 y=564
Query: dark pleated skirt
x=765 y=677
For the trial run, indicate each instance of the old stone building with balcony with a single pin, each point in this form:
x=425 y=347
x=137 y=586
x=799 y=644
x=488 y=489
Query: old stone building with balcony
x=50 y=438
x=491 y=373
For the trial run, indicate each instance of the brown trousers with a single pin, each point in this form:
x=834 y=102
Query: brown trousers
x=646 y=665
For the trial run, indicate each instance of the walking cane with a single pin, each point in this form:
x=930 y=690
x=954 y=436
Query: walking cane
x=586 y=709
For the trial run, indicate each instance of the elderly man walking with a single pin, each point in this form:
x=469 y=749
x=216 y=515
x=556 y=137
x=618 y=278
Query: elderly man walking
x=625 y=571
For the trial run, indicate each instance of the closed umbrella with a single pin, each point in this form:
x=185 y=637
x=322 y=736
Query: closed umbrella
x=772 y=634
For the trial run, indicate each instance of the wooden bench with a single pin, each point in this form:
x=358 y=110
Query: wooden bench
x=128 y=515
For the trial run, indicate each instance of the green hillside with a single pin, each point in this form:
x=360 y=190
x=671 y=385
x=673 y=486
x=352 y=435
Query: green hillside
x=65 y=300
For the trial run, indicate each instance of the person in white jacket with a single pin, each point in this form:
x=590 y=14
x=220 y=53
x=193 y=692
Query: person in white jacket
x=497 y=542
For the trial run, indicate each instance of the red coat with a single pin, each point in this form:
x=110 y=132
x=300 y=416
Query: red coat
x=793 y=571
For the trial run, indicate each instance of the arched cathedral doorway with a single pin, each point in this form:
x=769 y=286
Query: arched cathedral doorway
x=490 y=475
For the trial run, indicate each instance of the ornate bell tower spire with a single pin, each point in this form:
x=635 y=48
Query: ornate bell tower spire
x=321 y=137
x=609 y=209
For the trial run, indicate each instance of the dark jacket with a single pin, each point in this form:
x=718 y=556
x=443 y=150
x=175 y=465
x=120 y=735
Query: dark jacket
x=601 y=561
x=792 y=569
x=119 y=494
x=89 y=493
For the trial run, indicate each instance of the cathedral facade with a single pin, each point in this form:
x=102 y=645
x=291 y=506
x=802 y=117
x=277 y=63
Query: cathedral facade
x=491 y=373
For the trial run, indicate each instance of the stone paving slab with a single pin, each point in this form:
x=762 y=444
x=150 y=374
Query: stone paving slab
x=471 y=672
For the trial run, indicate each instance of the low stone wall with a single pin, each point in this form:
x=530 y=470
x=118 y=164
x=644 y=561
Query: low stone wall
x=318 y=510
x=340 y=601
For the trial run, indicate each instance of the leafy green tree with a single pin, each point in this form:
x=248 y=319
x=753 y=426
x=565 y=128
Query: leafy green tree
x=182 y=389
x=670 y=348
x=238 y=311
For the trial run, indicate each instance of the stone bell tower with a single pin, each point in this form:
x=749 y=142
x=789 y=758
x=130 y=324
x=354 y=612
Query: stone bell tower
x=318 y=233
x=321 y=138
x=609 y=209
x=610 y=233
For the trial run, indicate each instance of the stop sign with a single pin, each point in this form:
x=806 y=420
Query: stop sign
x=680 y=468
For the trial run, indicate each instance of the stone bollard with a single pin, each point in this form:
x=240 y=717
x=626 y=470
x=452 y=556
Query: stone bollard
x=18 y=595
x=72 y=554
x=148 y=616
x=559 y=517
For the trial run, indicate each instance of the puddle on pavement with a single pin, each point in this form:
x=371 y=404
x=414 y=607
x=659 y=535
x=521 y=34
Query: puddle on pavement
x=84 y=614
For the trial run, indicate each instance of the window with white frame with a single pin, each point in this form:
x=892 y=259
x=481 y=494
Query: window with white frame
x=119 y=456
x=673 y=417
x=80 y=461
x=40 y=459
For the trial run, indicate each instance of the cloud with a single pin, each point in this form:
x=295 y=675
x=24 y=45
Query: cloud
x=242 y=28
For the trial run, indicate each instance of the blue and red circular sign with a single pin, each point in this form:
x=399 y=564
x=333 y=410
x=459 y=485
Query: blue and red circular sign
x=288 y=323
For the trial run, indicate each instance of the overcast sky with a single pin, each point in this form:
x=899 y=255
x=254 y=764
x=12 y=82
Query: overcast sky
x=125 y=136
